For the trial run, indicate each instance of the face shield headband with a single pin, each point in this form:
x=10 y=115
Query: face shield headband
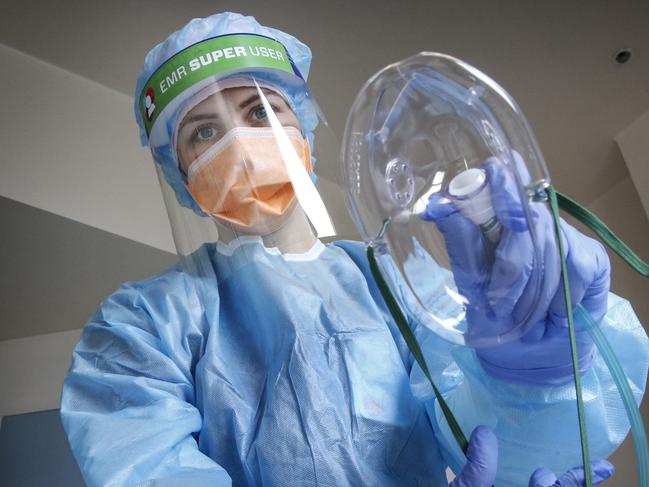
x=210 y=58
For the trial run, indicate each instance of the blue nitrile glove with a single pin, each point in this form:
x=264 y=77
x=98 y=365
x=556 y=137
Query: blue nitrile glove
x=542 y=477
x=496 y=282
x=482 y=460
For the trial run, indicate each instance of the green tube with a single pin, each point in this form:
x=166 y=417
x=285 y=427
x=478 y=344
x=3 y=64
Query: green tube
x=621 y=381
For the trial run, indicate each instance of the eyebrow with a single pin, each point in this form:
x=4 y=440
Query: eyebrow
x=208 y=116
x=256 y=96
x=198 y=118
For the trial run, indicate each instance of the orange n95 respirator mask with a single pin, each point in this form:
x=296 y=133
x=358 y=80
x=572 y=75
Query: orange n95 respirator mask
x=243 y=178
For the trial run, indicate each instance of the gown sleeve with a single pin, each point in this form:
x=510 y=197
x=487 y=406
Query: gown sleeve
x=128 y=401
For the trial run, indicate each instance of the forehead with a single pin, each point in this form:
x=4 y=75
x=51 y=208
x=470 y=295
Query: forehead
x=232 y=99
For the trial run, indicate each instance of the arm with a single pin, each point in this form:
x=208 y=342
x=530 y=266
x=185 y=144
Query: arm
x=524 y=388
x=128 y=400
x=537 y=425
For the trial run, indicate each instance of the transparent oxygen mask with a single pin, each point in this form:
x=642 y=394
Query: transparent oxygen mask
x=433 y=134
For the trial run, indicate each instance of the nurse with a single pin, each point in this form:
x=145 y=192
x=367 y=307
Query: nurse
x=267 y=358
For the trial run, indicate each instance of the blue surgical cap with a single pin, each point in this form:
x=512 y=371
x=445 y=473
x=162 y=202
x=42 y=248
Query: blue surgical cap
x=198 y=30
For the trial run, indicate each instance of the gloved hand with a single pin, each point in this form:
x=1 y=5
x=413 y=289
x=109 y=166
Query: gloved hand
x=601 y=469
x=499 y=284
x=482 y=460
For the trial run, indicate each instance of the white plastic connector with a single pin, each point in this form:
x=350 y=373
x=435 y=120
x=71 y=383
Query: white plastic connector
x=471 y=195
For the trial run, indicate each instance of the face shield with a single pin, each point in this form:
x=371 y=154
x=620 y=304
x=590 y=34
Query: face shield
x=441 y=171
x=236 y=151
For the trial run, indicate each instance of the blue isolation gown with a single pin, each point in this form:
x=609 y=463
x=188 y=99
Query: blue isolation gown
x=262 y=369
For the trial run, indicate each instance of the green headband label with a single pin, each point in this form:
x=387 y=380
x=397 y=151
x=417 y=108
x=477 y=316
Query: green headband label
x=208 y=58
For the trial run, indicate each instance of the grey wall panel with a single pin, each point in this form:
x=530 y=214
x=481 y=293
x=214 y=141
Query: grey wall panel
x=56 y=271
x=34 y=452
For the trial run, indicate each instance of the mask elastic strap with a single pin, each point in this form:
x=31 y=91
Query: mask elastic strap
x=570 y=206
x=415 y=349
x=585 y=451
x=591 y=220
x=413 y=345
x=558 y=200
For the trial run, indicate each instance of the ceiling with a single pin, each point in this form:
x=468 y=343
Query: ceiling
x=555 y=58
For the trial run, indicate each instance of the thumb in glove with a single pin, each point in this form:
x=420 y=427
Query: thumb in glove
x=574 y=477
x=482 y=460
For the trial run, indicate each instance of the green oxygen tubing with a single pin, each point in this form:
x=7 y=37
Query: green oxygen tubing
x=619 y=247
x=430 y=127
x=608 y=355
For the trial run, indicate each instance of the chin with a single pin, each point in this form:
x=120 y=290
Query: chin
x=269 y=225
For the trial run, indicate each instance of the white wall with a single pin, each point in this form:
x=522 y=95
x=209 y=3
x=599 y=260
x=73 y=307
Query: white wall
x=621 y=210
x=634 y=144
x=70 y=146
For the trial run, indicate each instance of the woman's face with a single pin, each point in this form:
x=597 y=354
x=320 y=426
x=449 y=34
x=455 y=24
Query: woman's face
x=212 y=118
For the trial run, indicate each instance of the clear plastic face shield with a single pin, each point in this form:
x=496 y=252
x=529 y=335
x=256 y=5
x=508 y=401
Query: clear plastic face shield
x=235 y=156
x=427 y=139
x=247 y=163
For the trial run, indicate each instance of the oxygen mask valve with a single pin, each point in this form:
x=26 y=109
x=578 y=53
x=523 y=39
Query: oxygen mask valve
x=469 y=191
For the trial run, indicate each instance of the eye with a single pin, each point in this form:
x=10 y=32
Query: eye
x=205 y=133
x=259 y=113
